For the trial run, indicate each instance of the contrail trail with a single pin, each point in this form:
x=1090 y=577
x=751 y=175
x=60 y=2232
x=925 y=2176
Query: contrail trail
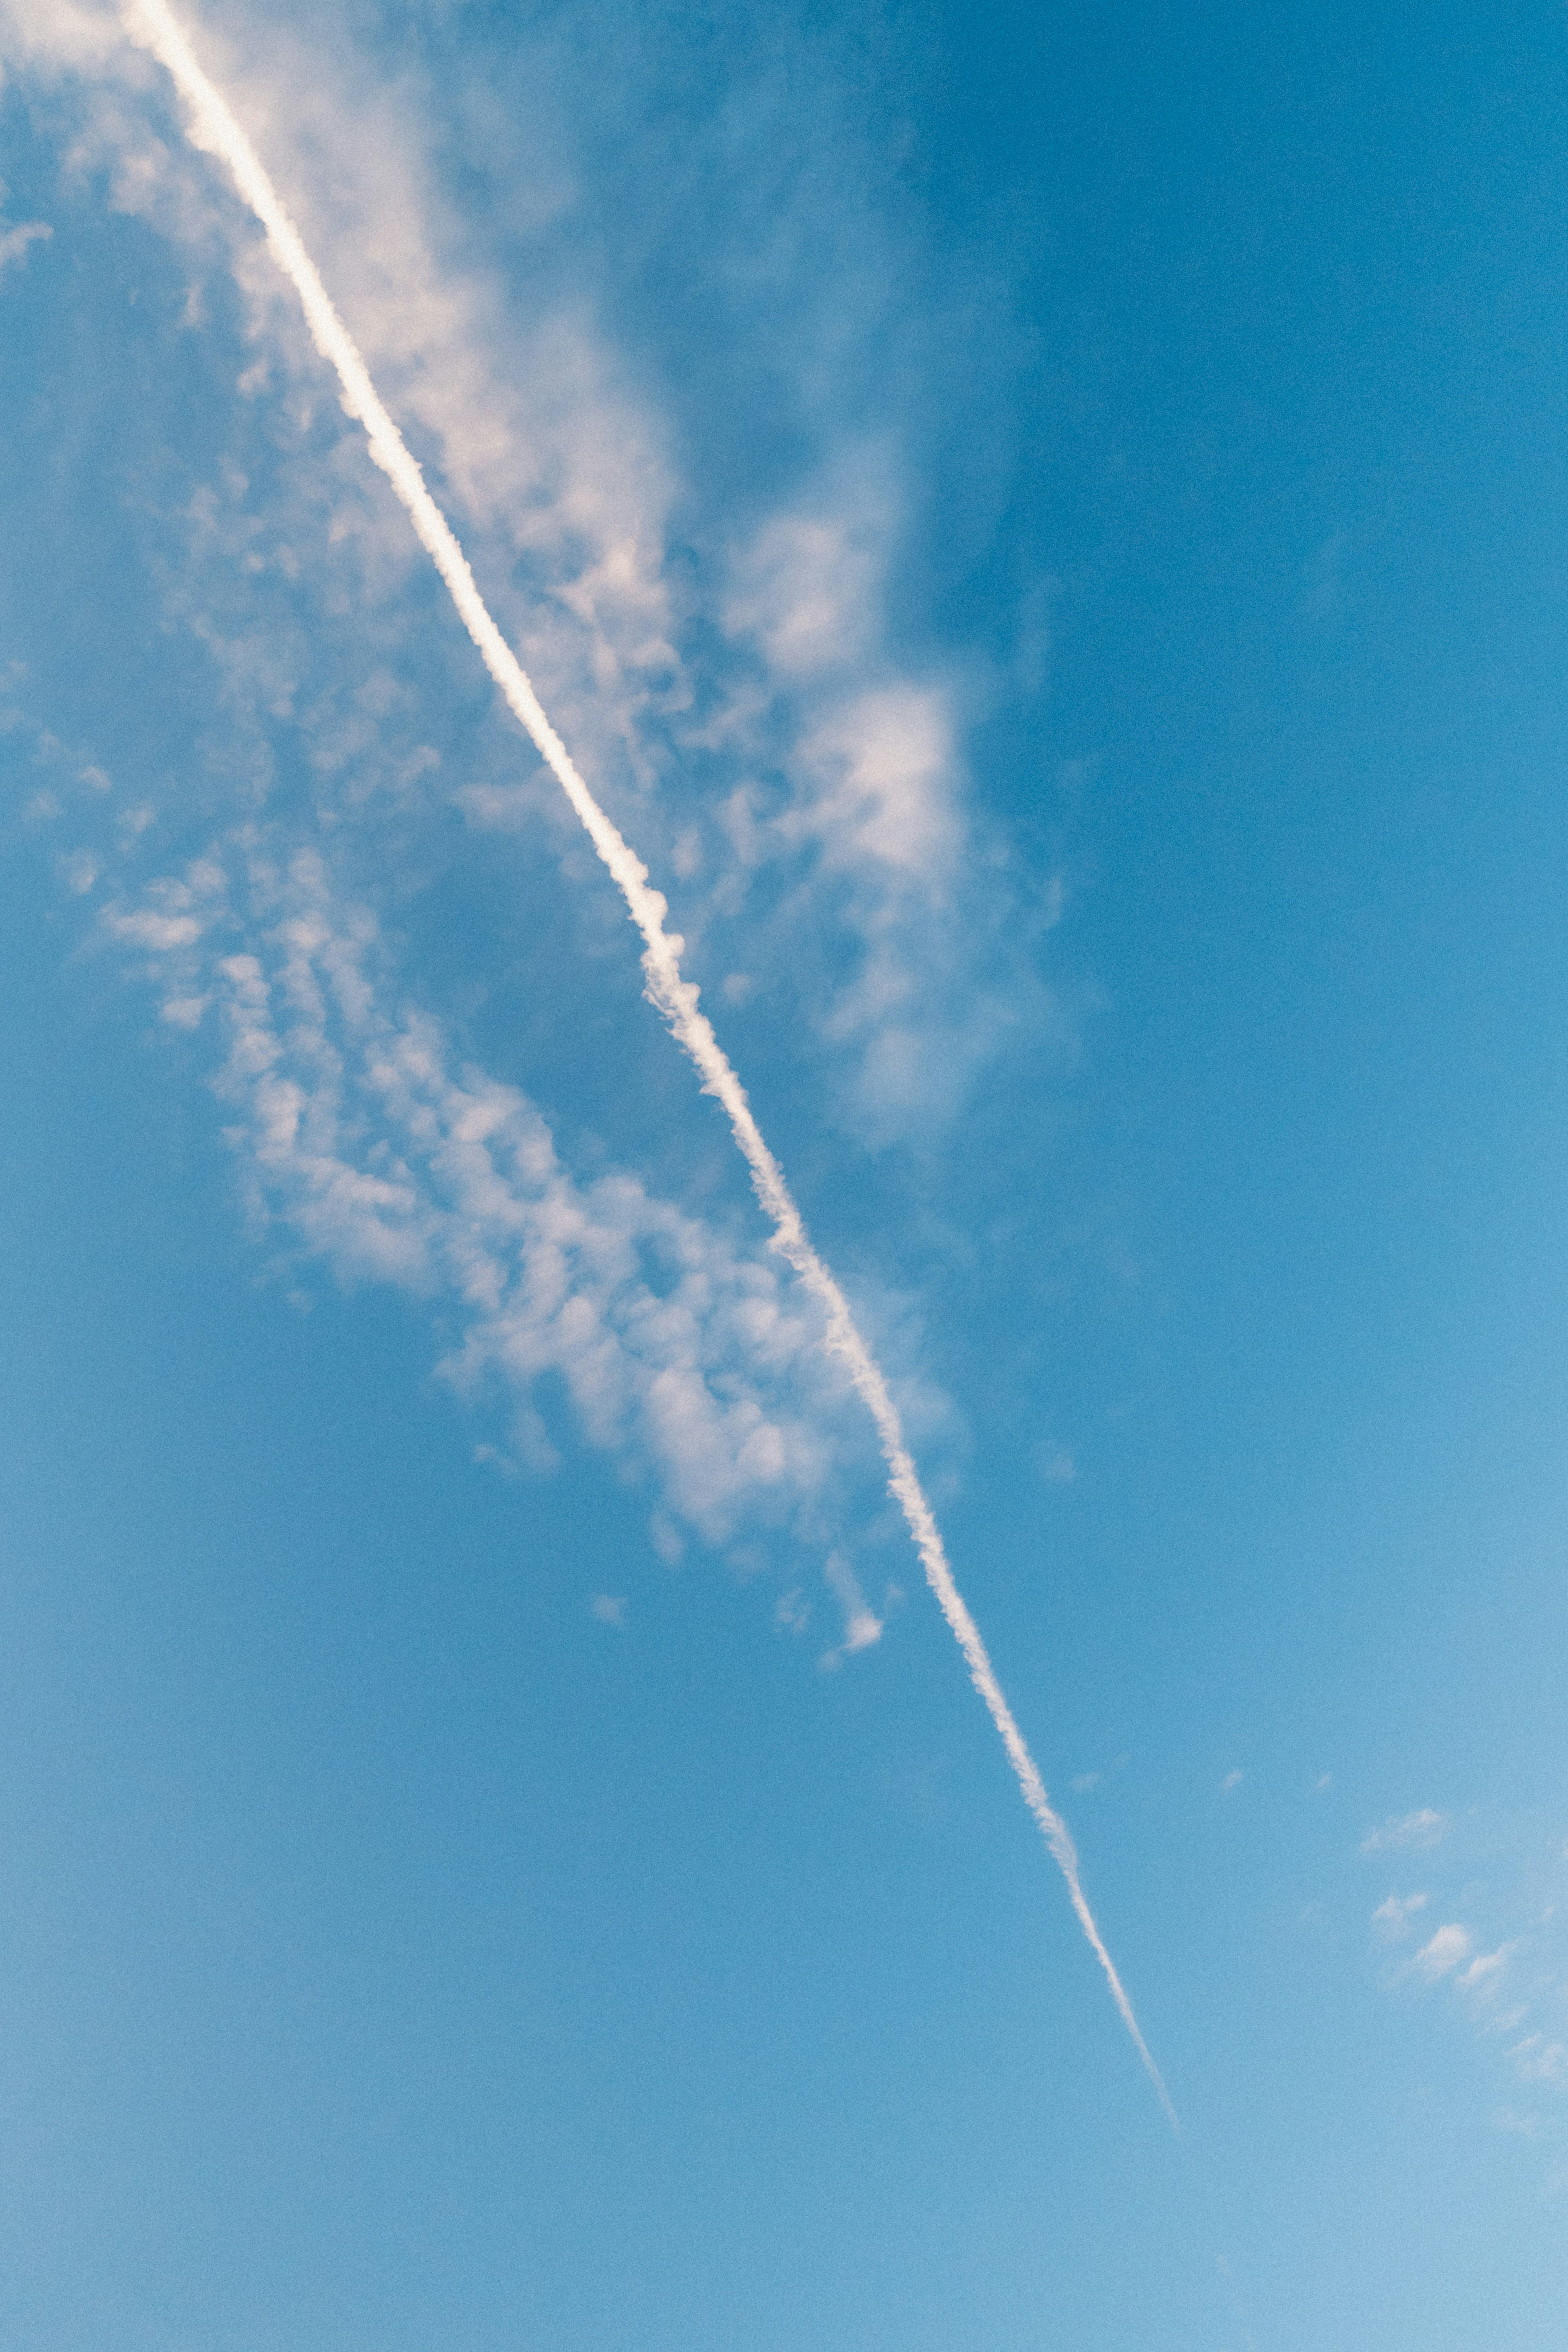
x=213 y=128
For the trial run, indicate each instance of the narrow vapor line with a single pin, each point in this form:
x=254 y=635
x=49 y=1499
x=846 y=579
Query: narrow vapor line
x=214 y=130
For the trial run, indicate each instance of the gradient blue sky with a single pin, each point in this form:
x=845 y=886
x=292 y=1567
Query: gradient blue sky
x=1050 y=532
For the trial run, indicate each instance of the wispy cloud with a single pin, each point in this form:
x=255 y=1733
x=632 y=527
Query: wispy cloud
x=1537 y=2059
x=1444 y=1953
x=793 y=1612
x=1415 y=1832
x=1484 y=1973
x=1391 y=1920
x=866 y=811
x=863 y=1627
x=14 y=242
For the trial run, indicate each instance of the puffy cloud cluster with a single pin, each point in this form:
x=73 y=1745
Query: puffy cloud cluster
x=357 y=1137
x=1513 y=1990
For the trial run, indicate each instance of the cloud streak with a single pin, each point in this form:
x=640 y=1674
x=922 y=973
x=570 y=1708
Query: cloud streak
x=214 y=128
x=1415 y=1832
x=14 y=242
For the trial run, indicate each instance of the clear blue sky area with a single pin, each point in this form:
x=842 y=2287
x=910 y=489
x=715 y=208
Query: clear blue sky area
x=1049 y=532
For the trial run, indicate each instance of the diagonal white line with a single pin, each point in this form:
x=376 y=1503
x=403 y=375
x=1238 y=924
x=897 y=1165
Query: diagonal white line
x=213 y=128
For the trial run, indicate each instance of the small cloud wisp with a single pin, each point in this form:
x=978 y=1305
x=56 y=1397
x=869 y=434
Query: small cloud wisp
x=1415 y=1832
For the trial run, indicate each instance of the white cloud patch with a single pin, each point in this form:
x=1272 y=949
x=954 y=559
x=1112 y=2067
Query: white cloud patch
x=1415 y=1832
x=881 y=767
x=860 y=832
x=14 y=242
x=1538 y=2059
x=1485 y=1972
x=793 y=1612
x=1391 y=1920
x=607 y=1609
x=807 y=589
x=863 y=1627
x=1443 y=1954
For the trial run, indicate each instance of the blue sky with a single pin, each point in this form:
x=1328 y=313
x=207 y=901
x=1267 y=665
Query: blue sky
x=1046 y=533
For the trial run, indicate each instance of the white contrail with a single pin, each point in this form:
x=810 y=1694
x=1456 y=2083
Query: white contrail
x=214 y=128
